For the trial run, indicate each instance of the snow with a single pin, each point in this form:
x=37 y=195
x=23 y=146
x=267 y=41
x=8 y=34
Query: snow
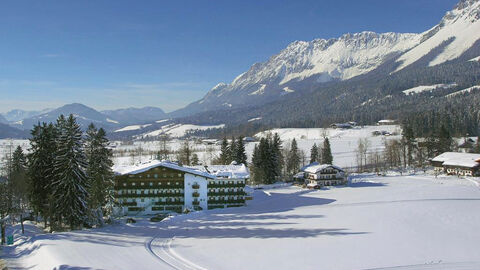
x=458 y=159
x=401 y=222
x=162 y=121
x=462 y=24
x=178 y=130
x=423 y=88
x=466 y=90
x=112 y=121
x=255 y=119
x=288 y=90
x=259 y=91
x=225 y=171
x=140 y=168
x=315 y=168
x=133 y=127
x=476 y=59
x=343 y=142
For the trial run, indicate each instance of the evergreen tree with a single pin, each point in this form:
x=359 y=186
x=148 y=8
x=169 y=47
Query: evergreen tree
x=19 y=185
x=99 y=169
x=232 y=151
x=314 y=153
x=293 y=164
x=70 y=187
x=256 y=166
x=41 y=160
x=195 y=160
x=445 y=140
x=277 y=154
x=224 y=152
x=409 y=139
x=240 y=156
x=327 y=157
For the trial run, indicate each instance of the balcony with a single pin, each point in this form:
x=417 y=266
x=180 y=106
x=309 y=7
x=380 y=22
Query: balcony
x=196 y=194
x=195 y=203
x=195 y=186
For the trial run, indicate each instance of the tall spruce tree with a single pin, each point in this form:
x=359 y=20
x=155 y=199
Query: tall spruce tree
x=277 y=154
x=327 y=157
x=293 y=163
x=19 y=185
x=445 y=141
x=70 y=187
x=99 y=169
x=41 y=160
x=240 y=156
x=409 y=139
x=232 y=151
x=314 y=153
x=224 y=152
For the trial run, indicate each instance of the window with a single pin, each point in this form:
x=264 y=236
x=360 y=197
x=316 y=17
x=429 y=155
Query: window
x=155 y=176
x=133 y=184
x=124 y=184
x=179 y=175
x=142 y=183
x=151 y=183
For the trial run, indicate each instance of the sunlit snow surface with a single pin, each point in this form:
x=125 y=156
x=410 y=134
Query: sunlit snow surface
x=393 y=222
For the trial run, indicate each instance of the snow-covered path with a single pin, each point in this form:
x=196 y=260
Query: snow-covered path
x=393 y=222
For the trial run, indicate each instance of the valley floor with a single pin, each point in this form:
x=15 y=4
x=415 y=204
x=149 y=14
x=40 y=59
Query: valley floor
x=398 y=222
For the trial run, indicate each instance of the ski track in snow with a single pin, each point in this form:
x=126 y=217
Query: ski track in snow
x=161 y=248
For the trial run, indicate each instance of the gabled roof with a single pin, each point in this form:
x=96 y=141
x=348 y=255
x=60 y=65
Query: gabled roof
x=225 y=171
x=315 y=168
x=458 y=159
x=156 y=163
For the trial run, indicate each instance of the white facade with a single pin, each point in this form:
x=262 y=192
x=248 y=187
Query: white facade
x=190 y=182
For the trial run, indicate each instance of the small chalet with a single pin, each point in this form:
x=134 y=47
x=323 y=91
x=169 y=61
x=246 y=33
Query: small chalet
x=456 y=163
x=321 y=175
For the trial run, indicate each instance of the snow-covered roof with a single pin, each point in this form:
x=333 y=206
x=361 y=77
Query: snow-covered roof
x=458 y=159
x=225 y=171
x=315 y=168
x=143 y=167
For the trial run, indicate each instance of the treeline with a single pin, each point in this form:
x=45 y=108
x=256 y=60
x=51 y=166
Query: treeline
x=66 y=178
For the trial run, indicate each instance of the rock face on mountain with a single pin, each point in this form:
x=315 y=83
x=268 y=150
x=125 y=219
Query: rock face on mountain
x=305 y=65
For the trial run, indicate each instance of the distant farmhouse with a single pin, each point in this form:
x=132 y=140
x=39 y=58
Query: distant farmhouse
x=347 y=125
x=318 y=175
x=456 y=163
x=162 y=186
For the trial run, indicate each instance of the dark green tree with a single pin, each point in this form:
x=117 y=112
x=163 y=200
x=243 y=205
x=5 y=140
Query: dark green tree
x=240 y=156
x=327 y=157
x=70 y=187
x=314 y=153
x=293 y=160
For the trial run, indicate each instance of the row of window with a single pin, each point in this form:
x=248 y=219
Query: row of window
x=152 y=184
x=152 y=191
x=156 y=175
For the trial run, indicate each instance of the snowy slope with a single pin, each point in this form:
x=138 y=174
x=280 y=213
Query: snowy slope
x=177 y=130
x=462 y=23
x=467 y=90
x=424 y=88
x=393 y=222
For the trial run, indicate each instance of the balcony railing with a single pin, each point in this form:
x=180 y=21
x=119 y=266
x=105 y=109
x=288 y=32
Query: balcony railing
x=195 y=203
x=196 y=194
x=195 y=186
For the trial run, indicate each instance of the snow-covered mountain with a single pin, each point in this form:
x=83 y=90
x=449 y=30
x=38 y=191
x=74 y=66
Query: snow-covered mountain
x=304 y=65
x=85 y=115
x=457 y=32
x=136 y=115
x=18 y=115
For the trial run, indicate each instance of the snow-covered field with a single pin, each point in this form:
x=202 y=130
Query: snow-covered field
x=343 y=143
x=393 y=222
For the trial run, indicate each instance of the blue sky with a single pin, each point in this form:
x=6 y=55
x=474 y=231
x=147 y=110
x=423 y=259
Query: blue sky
x=116 y=54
